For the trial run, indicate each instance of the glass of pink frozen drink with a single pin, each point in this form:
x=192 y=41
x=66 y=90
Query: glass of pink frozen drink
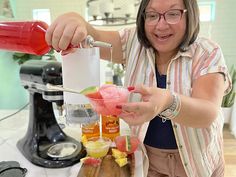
x=107 y=97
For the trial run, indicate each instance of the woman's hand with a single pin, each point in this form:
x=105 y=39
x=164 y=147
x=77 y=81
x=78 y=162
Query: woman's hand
x=154 y=101
x=66 y=32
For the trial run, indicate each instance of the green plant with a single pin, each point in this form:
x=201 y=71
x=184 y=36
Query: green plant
x=118 y=73
x=228 y=100
x=23 y=57
x=118 y=69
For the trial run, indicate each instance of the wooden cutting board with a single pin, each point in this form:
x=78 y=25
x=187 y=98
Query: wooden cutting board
x=108 y=168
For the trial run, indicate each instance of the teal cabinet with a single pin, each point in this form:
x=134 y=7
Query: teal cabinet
x=12 y=94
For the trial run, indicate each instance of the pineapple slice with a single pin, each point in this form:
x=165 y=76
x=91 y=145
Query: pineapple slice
x=120 y=157
x=84 y=140
x=118 y=154
x=121 y=161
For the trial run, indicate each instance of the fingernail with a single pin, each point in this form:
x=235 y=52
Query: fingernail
x=118 y=106
x=75 y=46
x=130 y=88
x=72 y=46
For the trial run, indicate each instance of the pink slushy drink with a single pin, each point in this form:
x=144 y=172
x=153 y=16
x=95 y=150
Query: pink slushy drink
x=108 y=96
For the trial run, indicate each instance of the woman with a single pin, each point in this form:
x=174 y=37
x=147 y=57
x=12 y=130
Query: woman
x=181 y=79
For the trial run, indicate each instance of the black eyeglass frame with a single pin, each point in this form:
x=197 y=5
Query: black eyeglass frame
x=182 y=11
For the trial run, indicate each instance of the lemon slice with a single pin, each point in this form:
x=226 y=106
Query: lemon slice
x=89 y=90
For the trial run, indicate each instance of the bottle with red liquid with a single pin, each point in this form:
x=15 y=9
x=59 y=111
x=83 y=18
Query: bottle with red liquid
x=25 y=37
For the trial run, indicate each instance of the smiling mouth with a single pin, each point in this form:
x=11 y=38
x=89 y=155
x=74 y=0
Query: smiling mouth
x=163 y=37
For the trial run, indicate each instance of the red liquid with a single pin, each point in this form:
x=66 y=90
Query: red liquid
x=25 y=37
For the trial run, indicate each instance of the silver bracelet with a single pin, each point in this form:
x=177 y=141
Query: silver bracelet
x=173 y=110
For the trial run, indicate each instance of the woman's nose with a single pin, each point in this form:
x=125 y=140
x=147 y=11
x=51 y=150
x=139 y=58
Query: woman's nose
x=162 y=24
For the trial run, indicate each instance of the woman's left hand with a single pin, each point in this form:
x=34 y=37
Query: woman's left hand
x=154 y=101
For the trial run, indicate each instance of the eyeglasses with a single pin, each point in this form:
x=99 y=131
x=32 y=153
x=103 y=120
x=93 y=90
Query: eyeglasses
x=172 y=16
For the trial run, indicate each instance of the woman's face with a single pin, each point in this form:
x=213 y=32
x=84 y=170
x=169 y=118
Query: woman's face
x=164 y=37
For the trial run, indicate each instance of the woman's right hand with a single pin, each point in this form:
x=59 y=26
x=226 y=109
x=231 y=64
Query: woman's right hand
x=154 y=101
x=66 y=32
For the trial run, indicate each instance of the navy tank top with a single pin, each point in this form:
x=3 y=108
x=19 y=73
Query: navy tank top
x=160 y=134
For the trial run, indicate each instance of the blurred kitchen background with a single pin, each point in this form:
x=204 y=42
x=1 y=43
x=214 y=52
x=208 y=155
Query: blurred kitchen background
x=217 y=22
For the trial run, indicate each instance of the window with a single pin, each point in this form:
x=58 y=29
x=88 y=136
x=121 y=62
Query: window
x=42 y=14
x=207 y=11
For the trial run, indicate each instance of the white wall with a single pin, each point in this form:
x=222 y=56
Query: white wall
x=57 y=7
x=223 y=29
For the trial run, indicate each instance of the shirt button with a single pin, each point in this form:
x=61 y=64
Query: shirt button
x=175 y=126
x=180 y=146
x=185 y=164
x=168 y=82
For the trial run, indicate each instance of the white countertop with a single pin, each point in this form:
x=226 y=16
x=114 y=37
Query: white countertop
x=14 y=128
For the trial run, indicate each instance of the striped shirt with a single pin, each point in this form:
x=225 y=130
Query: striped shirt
x=200 y=148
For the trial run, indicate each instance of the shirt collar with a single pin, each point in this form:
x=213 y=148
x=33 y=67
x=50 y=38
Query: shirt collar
x=186 y=54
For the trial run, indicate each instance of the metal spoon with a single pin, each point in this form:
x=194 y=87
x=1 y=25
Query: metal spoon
x=61 y=88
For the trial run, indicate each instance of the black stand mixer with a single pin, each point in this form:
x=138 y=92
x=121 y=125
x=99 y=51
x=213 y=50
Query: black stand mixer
x=45 y=144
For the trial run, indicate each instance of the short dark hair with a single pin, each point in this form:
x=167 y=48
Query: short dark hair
x=192 y=28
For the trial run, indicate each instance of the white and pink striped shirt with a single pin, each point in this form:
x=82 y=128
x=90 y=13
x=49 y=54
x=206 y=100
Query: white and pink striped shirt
x=200 y=148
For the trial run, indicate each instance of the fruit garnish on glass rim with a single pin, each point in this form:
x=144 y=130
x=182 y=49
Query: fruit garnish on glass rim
x=127 y=143
x=92 y=92
x=89 y=90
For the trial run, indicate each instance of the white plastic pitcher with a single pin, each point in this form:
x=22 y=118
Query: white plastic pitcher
x=80 y=70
